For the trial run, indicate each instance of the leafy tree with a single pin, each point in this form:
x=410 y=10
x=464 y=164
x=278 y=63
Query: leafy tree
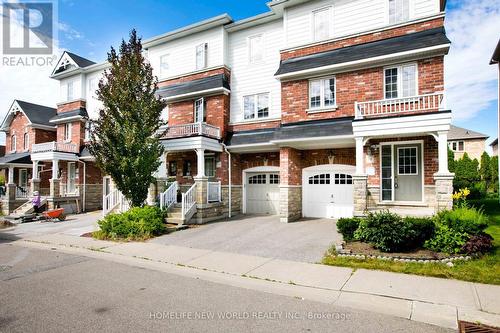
x=484 y=171
x=494 y=174
x=467 y=175
x=451 y=160
x=124 y=140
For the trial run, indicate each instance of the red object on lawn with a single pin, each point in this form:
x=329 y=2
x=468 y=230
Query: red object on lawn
x=54 y=214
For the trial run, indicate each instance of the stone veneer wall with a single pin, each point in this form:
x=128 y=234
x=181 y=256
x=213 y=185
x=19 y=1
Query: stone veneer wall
x=208 y=212
x=290 y=203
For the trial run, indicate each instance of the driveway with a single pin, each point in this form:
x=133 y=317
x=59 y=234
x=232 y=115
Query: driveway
x=263 y=236
x=74 y=225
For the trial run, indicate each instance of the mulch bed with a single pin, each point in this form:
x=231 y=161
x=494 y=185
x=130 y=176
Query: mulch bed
x=171 y=227
x=368 y=249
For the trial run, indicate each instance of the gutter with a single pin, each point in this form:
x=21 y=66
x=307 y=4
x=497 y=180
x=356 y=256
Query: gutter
x=230 y=183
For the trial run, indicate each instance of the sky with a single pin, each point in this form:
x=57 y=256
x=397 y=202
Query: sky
x=90 y=27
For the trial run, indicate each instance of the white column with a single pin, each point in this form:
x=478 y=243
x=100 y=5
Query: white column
x=35 y=170
x=443 y=152
x=55 y=169
x=11 y=175
x=360 y=165
x=200 y=153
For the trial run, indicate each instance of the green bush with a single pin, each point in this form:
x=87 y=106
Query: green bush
x=138 y=223
x=464 y=220
x=347 y=227
x=447 y=240
x=423 y=229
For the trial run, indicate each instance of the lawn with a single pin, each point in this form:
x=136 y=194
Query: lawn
x=483 y=270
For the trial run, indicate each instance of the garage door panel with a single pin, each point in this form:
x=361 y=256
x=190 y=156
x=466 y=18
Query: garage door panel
x=262 y=193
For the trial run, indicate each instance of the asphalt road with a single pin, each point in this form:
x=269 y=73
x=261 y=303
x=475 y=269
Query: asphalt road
x=49 y=291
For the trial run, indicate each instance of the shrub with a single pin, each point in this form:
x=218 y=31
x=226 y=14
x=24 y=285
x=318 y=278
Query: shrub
x=347 y=227
x=446 y=240
x=464 y=220
x=423 y=229
x=387 y=231
x=138 y=223
x=478 y=244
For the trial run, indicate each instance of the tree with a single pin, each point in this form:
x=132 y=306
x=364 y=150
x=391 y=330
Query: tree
x=494 y=174
x=484 y=170
x=467 y=175
x=124 y=139
x=451 y=160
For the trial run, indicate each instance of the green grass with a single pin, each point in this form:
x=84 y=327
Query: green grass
x=483 y=270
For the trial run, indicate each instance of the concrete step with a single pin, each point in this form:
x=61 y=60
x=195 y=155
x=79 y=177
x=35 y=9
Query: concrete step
x=178 y=221
x=174 y=215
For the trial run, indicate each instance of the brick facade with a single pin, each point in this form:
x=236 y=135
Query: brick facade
x=70 y=106
x=77 y=133
x=19 y=126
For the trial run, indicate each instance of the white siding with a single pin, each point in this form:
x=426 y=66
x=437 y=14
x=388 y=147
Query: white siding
x=77 y=88
x=93 y=105
x=182 y=52
x=349 y=17
x=248 y=79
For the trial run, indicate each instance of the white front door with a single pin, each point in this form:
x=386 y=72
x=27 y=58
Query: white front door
x=262 y=193
x=327 y=191
x=71 y=177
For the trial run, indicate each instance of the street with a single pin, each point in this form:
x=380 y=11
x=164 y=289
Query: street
x=50 y=291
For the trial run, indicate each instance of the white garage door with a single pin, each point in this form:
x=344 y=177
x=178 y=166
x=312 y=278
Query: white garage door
x=328 y=191
x=262 y=193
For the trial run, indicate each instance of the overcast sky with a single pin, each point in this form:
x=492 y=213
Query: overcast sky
x=89 y=27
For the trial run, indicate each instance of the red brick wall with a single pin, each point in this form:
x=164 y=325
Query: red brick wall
x=362 y=85
x=77 y=133
x=290 y=166
x=19 y=126
x=70 y=106
x=395 y=32
x=44 y=136
x=246 y=161
x=320 y=156
x=187 y=78
x=179 y=159
x=249 y=127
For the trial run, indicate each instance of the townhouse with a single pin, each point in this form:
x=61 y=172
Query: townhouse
x=320 y=108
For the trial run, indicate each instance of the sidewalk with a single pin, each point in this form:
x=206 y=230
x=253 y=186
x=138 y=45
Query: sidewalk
x=431 y=300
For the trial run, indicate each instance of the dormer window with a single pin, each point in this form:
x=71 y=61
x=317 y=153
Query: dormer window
x=399 y=11
x=13 y=143
x=67 y=132
x=201 y=56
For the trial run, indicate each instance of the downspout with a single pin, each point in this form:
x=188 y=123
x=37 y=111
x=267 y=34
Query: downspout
x=84 y=192
x=229 y=194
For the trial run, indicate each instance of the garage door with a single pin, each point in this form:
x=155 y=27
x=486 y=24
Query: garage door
x=328 y=191
x=262 y=193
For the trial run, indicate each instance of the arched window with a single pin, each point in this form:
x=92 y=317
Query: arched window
x=320 y=179
x=342 y=179
x=13 y=143
x=26 y=141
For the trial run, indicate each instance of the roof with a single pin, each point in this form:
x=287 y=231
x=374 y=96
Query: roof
x=409 y=42
x=37 y=114
x=21 y=158
x=191 y=87
x=495 y=58
x=81 y=112
x=494 y=142
x=459 y=133
x=80 y=61
x=306 y=129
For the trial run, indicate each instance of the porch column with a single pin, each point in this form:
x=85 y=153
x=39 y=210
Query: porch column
x=443 y=153
x=35 y=179
x=54 y=181
x=11 y=188
x=200 y=154
x=11 y=175
x=360 y=165
x=443 y=179
x=35 y=170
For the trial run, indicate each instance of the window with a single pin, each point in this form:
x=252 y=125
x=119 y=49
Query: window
x=210 y=166
x=199 y=110
x=322 y=93
x=321 y=24
x=256 y=106
x=172 y=168
x=67 y=132
x=255 y=52
x=186 y=168
x=407 y=161
x=386 y=172
x=323 y=179
x=164 y=114
x=274 y=179
x=201 y=56
x=257 y=179
x=400 y=81
x=457 y=146
x=92 y=86
x=164 y=64
x=26 y=141
x=13 y=143
x=399 y=11
x=343 y=179
x=69 y=91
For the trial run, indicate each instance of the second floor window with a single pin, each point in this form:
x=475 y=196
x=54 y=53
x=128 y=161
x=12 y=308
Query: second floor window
x=199 y=111
x=255 y=49
x=322 y=93
x=67 y=132
x=457 y=146
x=69 y=91
x=322 y=23
x=201 y=56
x=399 y=11
x=13 y=143
x=164 y=64
x=26 y=141
x=400 y=81
x=256 y=106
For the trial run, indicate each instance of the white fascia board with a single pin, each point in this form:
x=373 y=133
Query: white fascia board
x=191 y=143
x=368 y=62
x=253 y=21
x=320 y=138
x=54 y=155
x=207 y=92
x=65 y=120
x=85 y=70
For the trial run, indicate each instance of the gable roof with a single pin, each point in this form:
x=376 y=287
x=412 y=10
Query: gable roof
x=36 y=114
x=495 y=58
x=460 y=133
x=494 y=142
x=70 y=60
x=80 y=61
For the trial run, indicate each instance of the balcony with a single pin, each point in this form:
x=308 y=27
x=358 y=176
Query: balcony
x=398 y=106
x=54 y=147
x=194 y=129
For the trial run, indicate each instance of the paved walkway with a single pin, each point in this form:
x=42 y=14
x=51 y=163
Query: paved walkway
x=431 y=300
x=263 y=236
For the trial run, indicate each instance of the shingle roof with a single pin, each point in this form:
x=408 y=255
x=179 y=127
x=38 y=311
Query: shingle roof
x=80 y=61
x=495 y=58
x=459 y=133
x=82 y=112
x=22 y=158
x=37 y=114
x=414 y=41
x=211 y=82
x=494 y=142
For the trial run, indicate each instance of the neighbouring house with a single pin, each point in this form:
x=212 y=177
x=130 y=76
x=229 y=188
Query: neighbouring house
x=313 y=109
x=494 y=147
x=46 y=153
x=462 y=140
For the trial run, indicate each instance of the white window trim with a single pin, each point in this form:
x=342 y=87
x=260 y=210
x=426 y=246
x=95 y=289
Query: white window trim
x=26 y=141
x=249 y=50
x=68 y=132
x=72 y=84
x=256 y=108
x=450 y=144
x=322 y=108
x=164 y=73
x=68 y=178
x=13 y=143
x=204 y=47
x=202 y=109
x=313 y=32
x=400 y=79
x=215 y=166
x=397 y=157
x=411 y=13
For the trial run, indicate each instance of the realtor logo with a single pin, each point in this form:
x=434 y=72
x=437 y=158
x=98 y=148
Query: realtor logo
x=27 y=27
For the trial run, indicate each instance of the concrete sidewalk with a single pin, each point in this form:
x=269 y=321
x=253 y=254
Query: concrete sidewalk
x=431 y=300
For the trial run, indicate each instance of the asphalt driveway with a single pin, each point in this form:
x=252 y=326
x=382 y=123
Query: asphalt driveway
x=263 y=236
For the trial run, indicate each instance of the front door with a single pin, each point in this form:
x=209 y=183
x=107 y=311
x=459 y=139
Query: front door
x=23 y=178
x=408 y=172
x=71 y=177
